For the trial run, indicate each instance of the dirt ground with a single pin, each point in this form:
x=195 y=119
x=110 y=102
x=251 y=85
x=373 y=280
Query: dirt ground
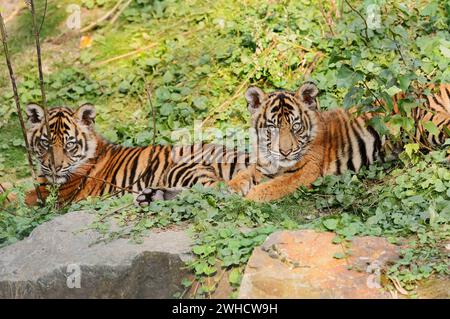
x=7 y=7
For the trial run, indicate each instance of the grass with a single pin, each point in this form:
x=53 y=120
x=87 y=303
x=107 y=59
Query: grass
x=13 y=165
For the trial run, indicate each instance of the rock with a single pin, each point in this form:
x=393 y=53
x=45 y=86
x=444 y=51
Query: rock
x=303 y=264
x=63 y=254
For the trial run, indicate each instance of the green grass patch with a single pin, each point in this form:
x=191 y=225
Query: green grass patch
x=21 y=32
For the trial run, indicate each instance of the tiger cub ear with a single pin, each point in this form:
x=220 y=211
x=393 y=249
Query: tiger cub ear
x=86 y=114
x=254 y=96
x=35 y=113
x=307 y=94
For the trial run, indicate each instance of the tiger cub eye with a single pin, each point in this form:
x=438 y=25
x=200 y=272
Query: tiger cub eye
x=44 y=143
x=296 y=127
x=70 y=144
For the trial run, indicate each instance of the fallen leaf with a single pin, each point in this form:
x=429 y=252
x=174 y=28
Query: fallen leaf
x=85 y=41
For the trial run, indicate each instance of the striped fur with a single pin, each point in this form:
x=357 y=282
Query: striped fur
x=87 y=165
x=436 y=108
x=311 y=143
x=296 y=144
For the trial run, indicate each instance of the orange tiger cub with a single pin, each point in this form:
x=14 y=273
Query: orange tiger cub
x=296 y=143
x=88 y=165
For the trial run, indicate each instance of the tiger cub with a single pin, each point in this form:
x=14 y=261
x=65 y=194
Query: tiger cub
x=297 y=143
x=85 y=164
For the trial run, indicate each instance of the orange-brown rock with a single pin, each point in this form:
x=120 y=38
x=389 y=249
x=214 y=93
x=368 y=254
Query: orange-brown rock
x=303 y=264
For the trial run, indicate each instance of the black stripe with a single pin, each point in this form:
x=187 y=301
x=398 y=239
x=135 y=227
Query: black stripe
x=219 y=166
x=377 y=143
x=438 y=103
x=134 y=167
x=179 y=174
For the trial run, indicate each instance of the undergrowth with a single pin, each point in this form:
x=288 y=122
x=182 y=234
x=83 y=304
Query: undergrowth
x=198 y=57
x=407 y=204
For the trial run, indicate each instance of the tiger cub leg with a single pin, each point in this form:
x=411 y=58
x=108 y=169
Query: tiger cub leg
x=285 y=184
x=200 y=174
x=31 y=198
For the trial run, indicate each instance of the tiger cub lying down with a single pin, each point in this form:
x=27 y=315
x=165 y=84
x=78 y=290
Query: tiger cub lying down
x=297 y=143
x=88 y=165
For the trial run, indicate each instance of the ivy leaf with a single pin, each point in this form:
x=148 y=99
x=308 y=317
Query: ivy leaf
x=445 y=51
x=168 y=77
x=339 y=255
x=411 y=148
x=330 y=224
x=393 y=90
x=431 y=127
x=235 y=277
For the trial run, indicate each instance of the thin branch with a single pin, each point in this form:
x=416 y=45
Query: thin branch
x=335 y=9
x=398 y=48
x=43 y=16
x=103 y=18
x=42 y=85
x=373 y=94
x=123 y=56
x=114 y=212
x=121 y=189
x=317 y=57
x=119 y=13
x=362 y=17
x=328 y=19
x=19 y=110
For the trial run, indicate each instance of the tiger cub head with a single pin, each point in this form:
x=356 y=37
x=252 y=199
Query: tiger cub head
x=285 y=122
x=73 y=139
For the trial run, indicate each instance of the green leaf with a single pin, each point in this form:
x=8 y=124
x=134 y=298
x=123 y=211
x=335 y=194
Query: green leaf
x=168 y=77
x=330 y=224
x=339 y=255
x=186 y=282
x=431 y=127
x=235 y=276
x=411 y=148
x=393 y=90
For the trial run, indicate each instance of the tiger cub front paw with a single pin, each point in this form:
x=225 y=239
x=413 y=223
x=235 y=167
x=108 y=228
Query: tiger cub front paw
x=240 y=186
x=243 y=182
x=149 y=195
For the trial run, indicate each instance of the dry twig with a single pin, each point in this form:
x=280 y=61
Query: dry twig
x=119 y=13
x=42 y=85
x=364 y=20
x=17 y=101
x=328 y=19
x=103 y=18
x=123 y=56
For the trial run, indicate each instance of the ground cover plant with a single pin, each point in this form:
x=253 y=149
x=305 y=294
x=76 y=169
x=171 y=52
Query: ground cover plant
x=198 y=57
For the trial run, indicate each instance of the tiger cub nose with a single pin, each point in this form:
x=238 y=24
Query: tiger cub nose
x=285 y=152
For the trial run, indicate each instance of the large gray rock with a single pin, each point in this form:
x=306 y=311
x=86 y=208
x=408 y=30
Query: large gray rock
x=64 y=259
